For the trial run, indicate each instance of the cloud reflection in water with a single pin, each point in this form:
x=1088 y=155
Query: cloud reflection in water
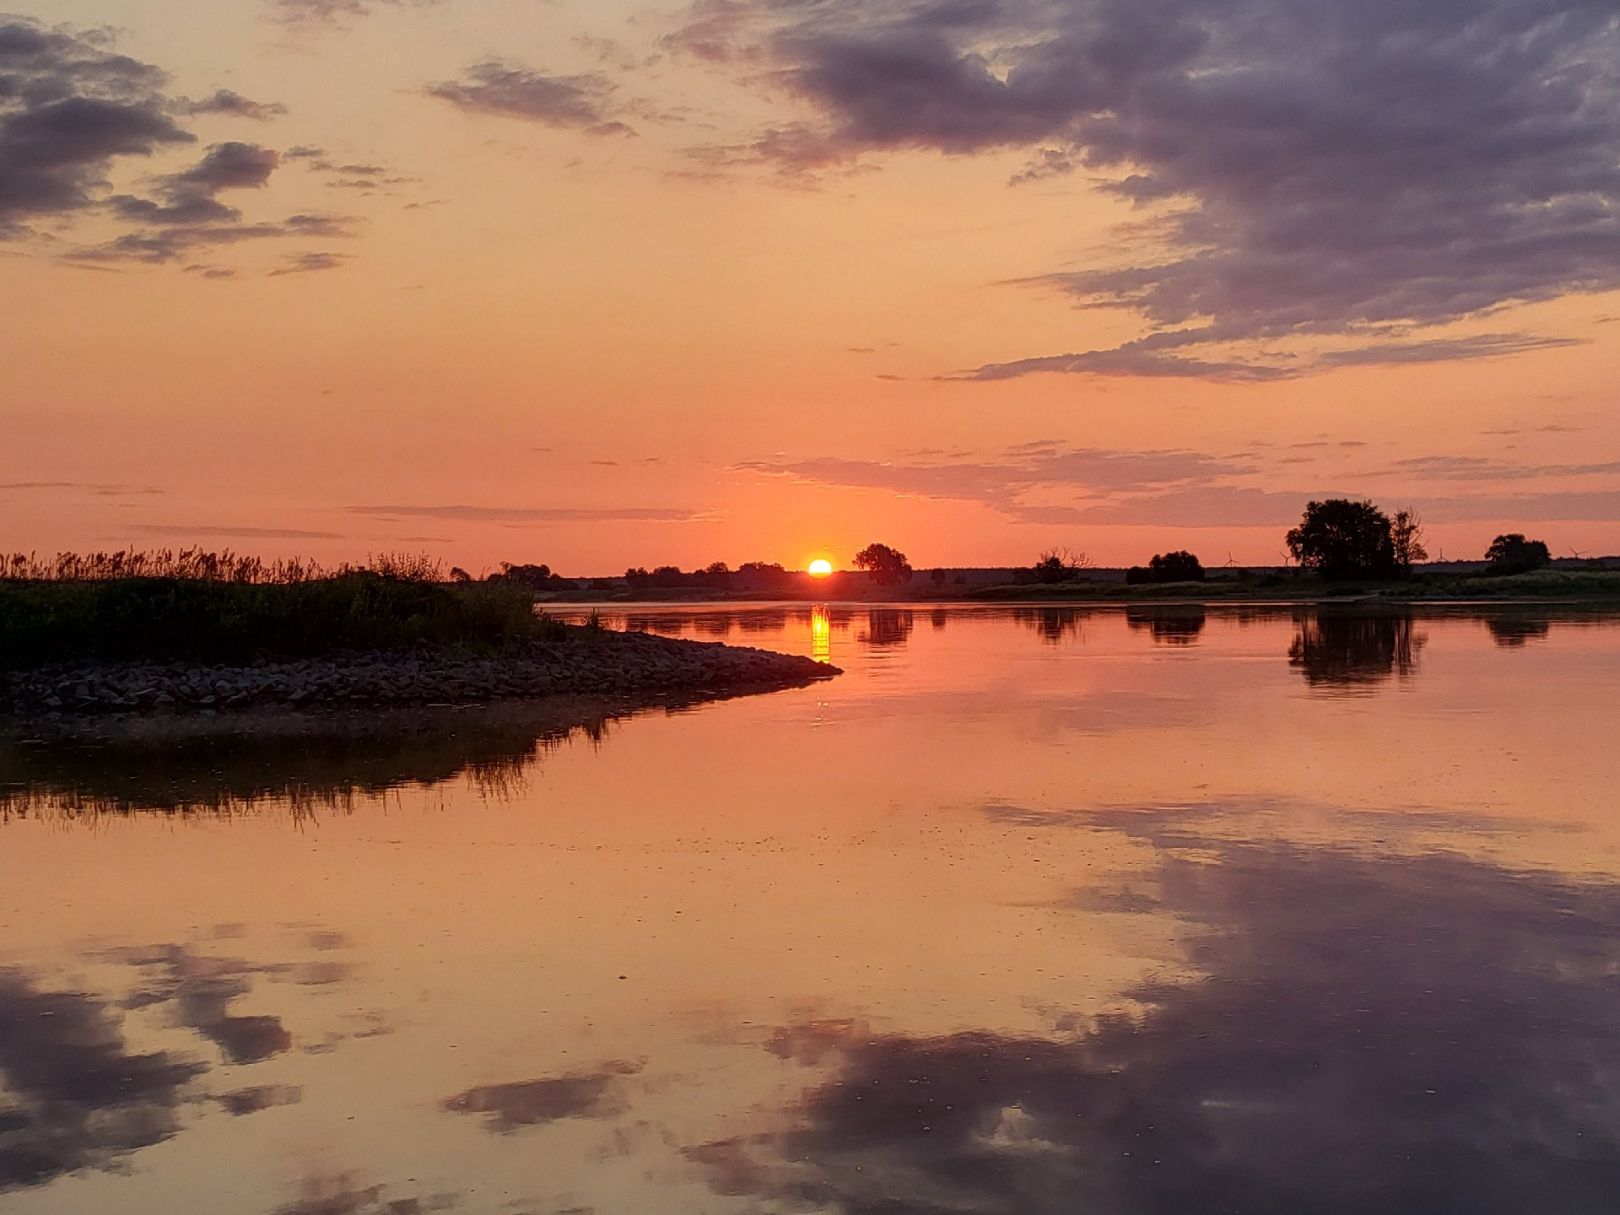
x=1353 y=1043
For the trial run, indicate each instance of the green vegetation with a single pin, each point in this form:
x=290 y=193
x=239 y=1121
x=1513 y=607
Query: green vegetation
x=206 y=607
x=1177 y=566
x=886 y=566
x=1340 y=539
x=1055 y=565
x=1513 y=554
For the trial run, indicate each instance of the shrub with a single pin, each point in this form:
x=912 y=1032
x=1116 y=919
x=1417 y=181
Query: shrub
x=1513 y=554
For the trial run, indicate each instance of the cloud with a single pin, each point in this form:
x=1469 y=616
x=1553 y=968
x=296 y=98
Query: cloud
x=543 y=514
x=1347 y=1041
x=1043 y=483
x=240 y=533
x=333 y=12
x=584 y=102
x=1308 y=168
x=1092 y=477
x=534 y=1102
x=190 y=197
x=181 y=241
x=309 y=263
x=226 y=101
x=74 y=113
x=68 y=109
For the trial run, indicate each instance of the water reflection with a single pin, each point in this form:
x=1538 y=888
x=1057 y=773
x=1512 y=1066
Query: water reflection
x=1513 y=631
x=1351 y=1042
x=1350 y=651
x=506 y=1107
x=309 y=764
x=1054 y=625
x=1169 y=624
x=76 y=1094
x=887 y=627
x=820 y=634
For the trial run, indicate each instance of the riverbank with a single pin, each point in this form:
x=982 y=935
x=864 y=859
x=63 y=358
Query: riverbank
x=572 y=661
x=1596 y=587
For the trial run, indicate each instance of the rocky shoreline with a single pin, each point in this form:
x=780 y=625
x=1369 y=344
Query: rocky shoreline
x=586 y=662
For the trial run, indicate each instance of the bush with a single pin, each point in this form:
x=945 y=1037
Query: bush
x=1177 y=566
x=199 y=620
x=1513 y=554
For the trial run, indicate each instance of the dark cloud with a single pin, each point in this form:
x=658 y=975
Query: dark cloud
x=507 y=1107
x=69 y=108
x=73 y=111
x=584 y=102
x=541 y=514
x=1357 y=1032
x=191 y=196
x=227 y=101
x=73 y=1094
x=1315 y=168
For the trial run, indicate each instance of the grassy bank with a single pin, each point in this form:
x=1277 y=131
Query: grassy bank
x=193 y=619
x=1582 y=586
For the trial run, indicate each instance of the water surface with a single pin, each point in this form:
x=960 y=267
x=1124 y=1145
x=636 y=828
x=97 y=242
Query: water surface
x=1034 y=909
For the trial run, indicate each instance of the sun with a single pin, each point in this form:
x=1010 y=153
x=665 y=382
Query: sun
x=819 y=568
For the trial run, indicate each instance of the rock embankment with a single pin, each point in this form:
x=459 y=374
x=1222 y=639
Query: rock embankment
x=586 y=662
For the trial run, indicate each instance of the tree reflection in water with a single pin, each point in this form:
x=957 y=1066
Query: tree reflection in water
x=1348 y=650
x=887 y=627
x=1054 y=624
x=1169 y=624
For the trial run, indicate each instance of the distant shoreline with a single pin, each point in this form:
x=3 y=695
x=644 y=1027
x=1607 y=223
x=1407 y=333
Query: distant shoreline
x=1549 y=586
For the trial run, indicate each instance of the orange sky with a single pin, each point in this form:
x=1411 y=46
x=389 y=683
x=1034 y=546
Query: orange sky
x=578 y=306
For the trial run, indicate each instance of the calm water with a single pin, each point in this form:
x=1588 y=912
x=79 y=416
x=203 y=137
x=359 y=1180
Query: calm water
x=1032 y=910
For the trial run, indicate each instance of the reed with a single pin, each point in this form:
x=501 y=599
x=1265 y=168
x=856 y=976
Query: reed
x=197 y=606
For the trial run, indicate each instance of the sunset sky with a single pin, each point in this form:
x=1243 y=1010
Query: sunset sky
x=616 y=283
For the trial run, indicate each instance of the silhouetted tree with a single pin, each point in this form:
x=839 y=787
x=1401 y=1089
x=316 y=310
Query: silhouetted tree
x=457 y=574
x=937 y=577
x=1342 y=539
x=762 y=575
x=886 y=566
x=1406 y=539
x=1513 y=554
x=1176 y=566
x=530 y=577
x=1059 y=565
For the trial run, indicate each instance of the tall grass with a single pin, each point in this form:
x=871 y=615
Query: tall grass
x=219 y=607
x=203 y=565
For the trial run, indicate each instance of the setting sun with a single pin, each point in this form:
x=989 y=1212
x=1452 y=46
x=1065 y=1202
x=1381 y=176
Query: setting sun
x=819 y=568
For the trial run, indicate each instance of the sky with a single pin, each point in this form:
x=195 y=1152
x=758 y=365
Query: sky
x=615 y=283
